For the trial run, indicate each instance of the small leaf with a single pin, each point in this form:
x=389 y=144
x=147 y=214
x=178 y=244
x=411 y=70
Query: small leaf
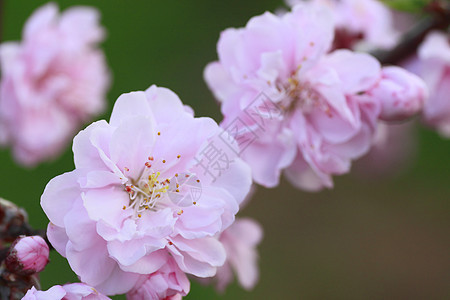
x=413 y=6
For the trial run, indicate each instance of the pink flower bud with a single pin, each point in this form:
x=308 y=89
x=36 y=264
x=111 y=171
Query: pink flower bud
x=27 y=255
x=402 y=94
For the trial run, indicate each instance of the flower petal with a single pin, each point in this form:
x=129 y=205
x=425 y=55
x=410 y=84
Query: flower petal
x=59 y=196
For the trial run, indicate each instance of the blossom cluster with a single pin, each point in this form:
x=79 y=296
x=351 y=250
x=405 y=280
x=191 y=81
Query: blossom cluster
x=52 y=82
x=153 y=197
x=324 y=107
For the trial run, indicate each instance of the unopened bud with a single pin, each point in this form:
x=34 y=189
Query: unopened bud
x=13 y=221
x=402 y=94
x=27 y=255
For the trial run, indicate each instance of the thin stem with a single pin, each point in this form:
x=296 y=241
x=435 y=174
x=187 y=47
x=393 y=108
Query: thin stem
x=438 y=20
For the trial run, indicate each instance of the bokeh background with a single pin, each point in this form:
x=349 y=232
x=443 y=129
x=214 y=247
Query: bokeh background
x=385 y=237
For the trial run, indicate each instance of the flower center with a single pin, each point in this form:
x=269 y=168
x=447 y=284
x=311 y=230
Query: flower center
x=301 y=95
x=151 y=192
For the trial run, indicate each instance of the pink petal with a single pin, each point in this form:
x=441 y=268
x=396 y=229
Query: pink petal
x=119 y=282
x=219 y=81
x=58 y=238
x=157 y=224
x=301 y=175
x=276 y=155
x=236 y=180
x=59 y=196
x=246 y=234
x=41 y=18
x=132 y=144
x=199 y=257
x=80 y=229
x=96 y=257
x=353 y=78
x=313 y=25
x=99 y=179
x=81 y=24
x=128 y=253
x=106 y=204
x=90 y=147
x=128 y=106
x=165 y=104
x=435 y=46
x=148 y=264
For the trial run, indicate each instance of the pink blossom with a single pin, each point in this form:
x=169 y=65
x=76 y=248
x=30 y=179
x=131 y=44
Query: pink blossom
x=360 y=24
x=73 y=291
x=433 y=65
x=141 y=193
x=168 y=281
x=292 y=106
x=52 y=82
x=240 y=241
x=27 y=255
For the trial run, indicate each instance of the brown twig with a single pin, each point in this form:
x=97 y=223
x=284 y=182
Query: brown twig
x=3 y=253
x=439 y=19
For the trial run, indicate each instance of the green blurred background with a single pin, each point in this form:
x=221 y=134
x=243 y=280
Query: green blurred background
x=368 y=238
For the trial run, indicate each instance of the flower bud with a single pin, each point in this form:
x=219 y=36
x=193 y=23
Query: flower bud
x=169 y=283
x=27 y=255
x=402 y=94
x=13 y=221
